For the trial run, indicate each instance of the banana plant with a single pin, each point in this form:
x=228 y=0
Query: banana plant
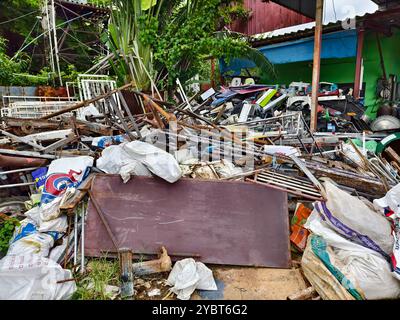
x=133 y=56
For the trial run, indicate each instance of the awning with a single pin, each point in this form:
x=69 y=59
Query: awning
x=342 y=44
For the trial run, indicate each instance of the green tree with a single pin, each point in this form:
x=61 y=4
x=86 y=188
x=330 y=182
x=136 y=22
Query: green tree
x=173 y=39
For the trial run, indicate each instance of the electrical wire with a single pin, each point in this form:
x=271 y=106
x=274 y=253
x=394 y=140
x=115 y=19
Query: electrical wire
x=44 y=33
x=17 y=18
x=27 y=37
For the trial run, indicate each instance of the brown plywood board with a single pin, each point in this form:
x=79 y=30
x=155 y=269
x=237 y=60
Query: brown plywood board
x=218 y=222
x=249 y=283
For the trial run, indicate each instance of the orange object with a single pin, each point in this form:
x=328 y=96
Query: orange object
x=299 y=233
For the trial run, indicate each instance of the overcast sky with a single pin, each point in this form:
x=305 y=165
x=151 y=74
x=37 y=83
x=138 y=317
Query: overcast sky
x=347 y=9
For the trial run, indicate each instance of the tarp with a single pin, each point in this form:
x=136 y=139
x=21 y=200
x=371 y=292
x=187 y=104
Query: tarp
x=342 y=44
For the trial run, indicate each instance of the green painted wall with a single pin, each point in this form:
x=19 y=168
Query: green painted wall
x=343 y=70
x=372 y=66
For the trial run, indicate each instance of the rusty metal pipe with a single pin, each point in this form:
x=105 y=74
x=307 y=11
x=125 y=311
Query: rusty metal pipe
x=20 y=162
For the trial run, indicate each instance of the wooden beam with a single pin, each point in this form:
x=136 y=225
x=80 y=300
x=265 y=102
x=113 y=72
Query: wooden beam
x=316 y=64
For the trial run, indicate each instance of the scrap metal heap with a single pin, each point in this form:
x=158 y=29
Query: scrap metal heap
x=216 y=177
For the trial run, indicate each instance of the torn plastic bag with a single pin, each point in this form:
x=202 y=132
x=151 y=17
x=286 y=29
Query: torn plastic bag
x=354 y=220
x=227 y=169
x=390 y=203
x=34 y=214
x=368 y=269
x=188 y=275
x=32 y=277
x=65 y=173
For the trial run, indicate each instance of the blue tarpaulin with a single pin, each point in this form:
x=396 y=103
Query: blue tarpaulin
x=342 y=44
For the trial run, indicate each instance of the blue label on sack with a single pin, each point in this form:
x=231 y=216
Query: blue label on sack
x=24 y=231
x=39 y=176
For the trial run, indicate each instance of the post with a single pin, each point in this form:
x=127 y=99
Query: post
x=212 y=72
x=359 y=59
x=56 y=52
x=316 y=64
x=125 y=260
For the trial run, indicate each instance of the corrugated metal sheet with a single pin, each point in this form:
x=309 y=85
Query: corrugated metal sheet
x=266 y=17
x=306 y=28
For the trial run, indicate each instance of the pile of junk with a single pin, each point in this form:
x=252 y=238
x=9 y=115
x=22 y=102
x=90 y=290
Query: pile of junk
x=231 y=177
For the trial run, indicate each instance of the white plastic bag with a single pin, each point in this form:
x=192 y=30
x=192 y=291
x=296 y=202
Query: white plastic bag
x=188 y=275
x=227 y=169
x=115 y=160
x=32 y=277
x=390 y=206
x=141 y=159
x=158 y=161
x=390 y=202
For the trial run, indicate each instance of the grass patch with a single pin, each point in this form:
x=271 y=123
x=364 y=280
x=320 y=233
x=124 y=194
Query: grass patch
x=99 y=273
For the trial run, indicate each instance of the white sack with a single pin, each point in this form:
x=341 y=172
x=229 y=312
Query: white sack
x=32 y=277
x=368 y=269
x=33 y=244
x=355 y=214
x=158 y=161
x=139 y=158
x=65 y=173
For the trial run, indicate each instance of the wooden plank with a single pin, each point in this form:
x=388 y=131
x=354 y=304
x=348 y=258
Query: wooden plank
x=225 y=222
x=249 y=283
x=393 y=155
x=80 y=193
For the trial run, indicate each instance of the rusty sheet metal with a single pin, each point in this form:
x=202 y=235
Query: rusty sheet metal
x=221 y=222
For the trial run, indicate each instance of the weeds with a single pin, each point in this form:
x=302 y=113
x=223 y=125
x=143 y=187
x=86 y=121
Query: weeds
x=100 y=273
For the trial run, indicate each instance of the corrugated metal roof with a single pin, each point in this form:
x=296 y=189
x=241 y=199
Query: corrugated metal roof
x=301 y=29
